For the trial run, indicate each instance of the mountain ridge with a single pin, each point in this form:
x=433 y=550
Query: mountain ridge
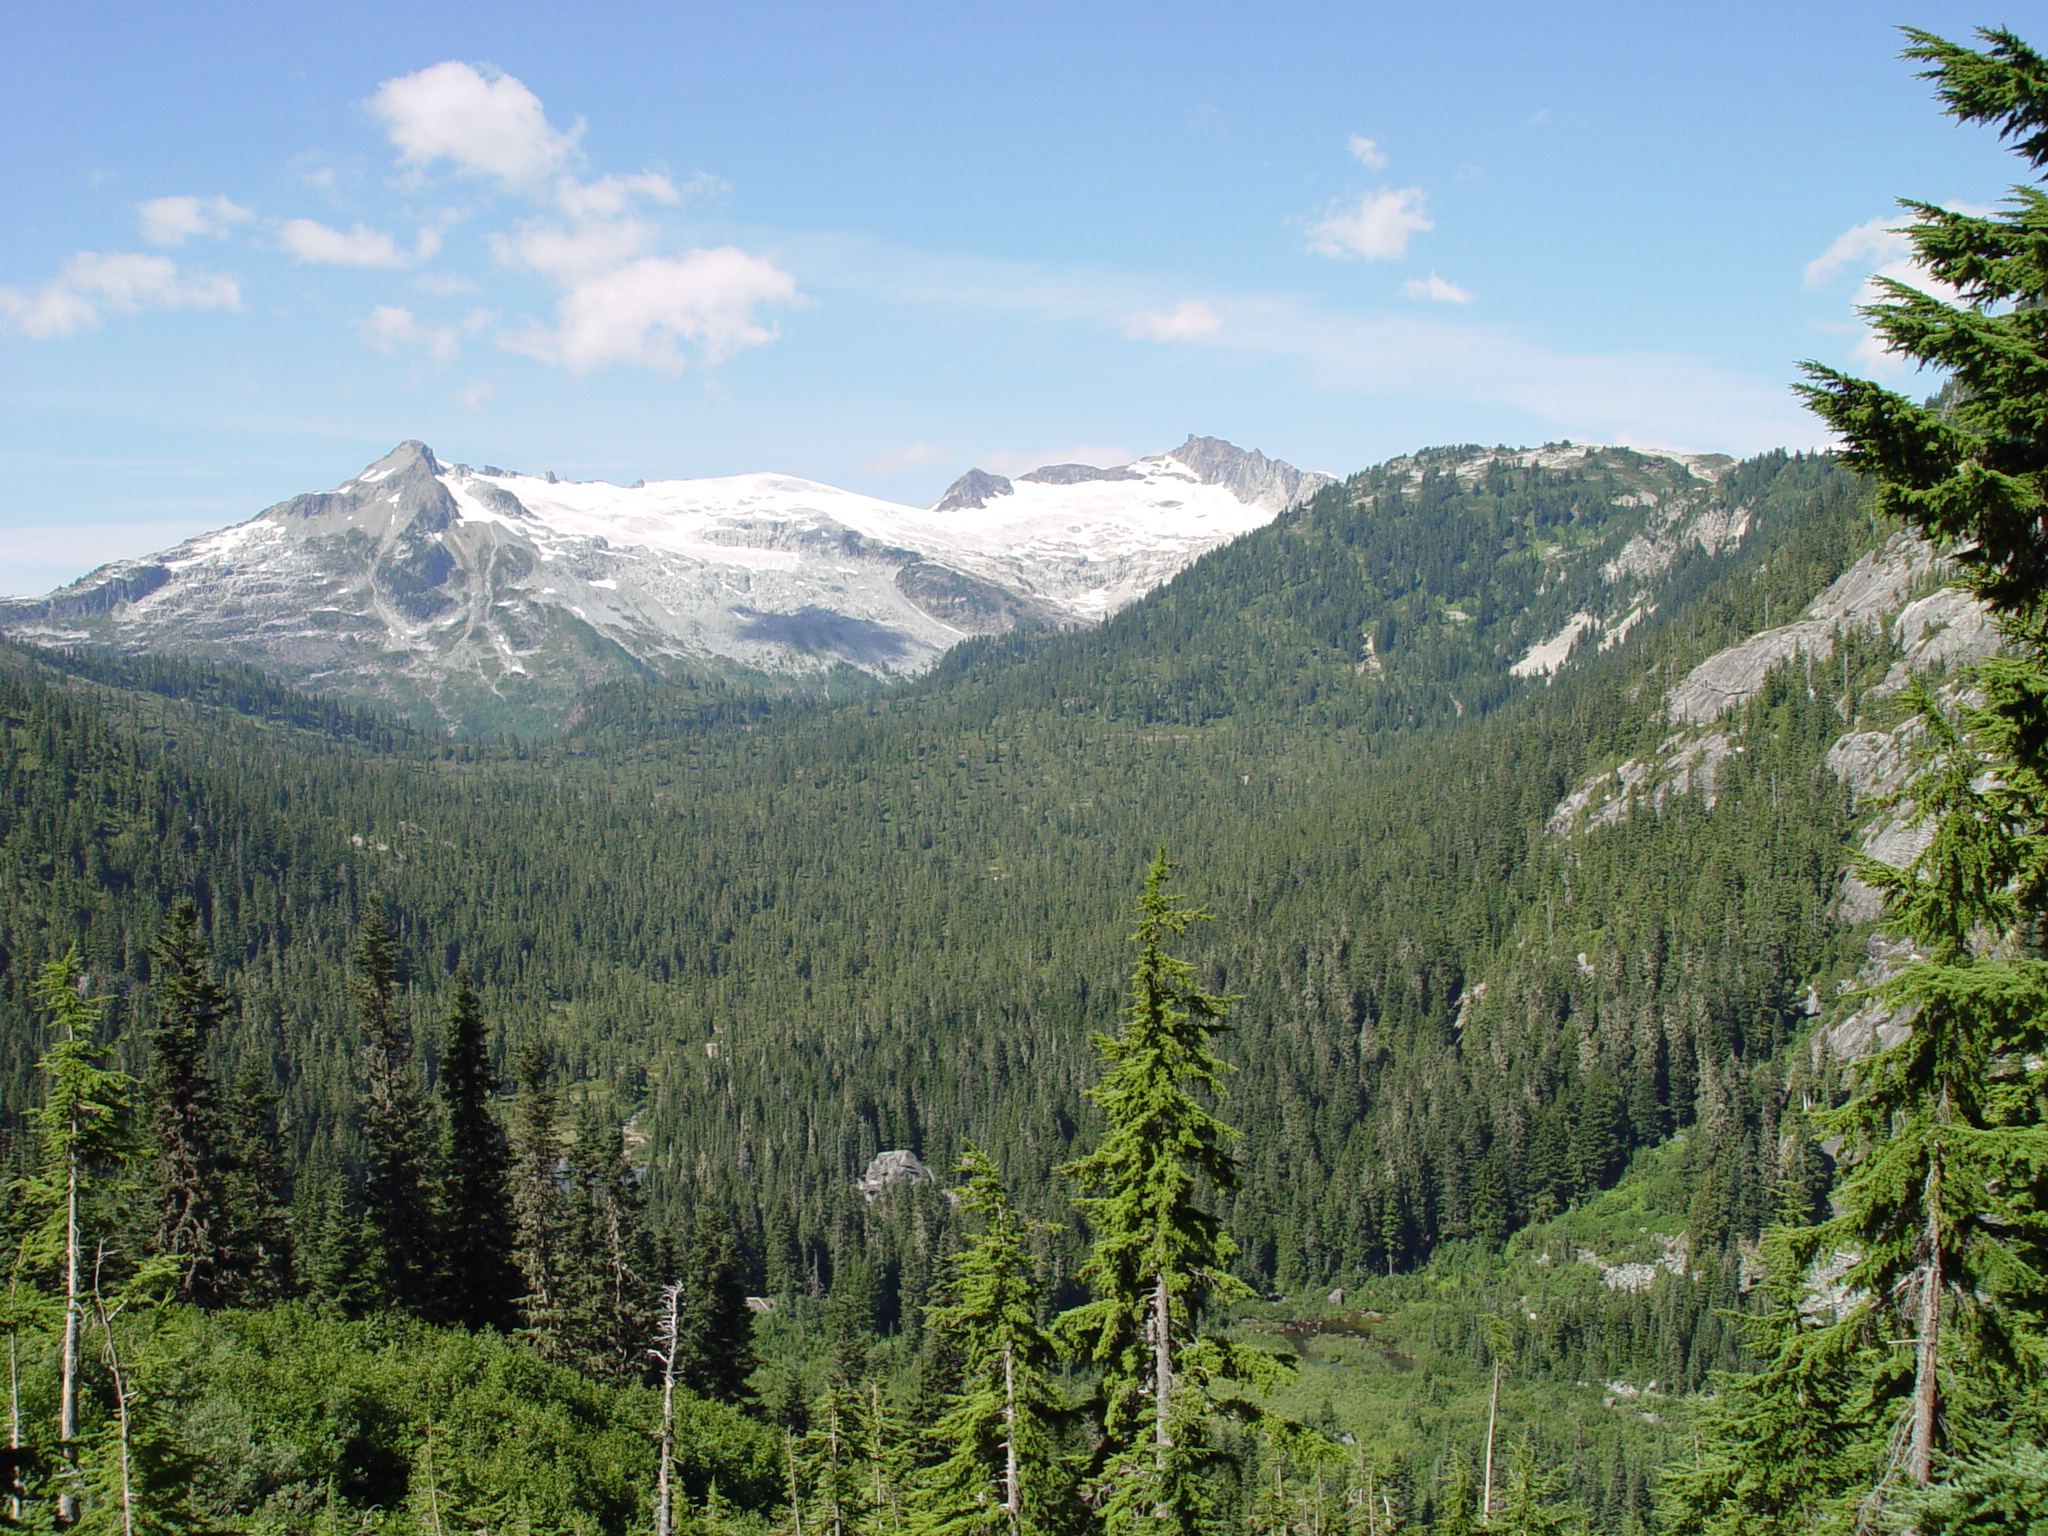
x=485 y=597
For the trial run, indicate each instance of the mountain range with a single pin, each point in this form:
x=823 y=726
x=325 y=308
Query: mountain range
x=485 y=598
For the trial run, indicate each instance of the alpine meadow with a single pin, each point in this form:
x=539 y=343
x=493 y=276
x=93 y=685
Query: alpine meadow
x=1506 y=992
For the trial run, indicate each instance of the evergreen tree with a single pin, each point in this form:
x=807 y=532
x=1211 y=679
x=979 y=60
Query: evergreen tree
x=254 y=1262
x=609 y=1306
x=398 y=1211
x=1002 y=1469
x=332 y=1267
x=715 y=1328
x=481 y=1285
x=850 y=1308
x=85 y=1125
x=190 y=1224
x=540 y=1212
x=1160 y=1260
x=1941 y=1240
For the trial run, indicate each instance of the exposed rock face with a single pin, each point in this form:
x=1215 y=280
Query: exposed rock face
x=973 y=490
x=1859 y=598
x=886 y=1170
x=1250 y=476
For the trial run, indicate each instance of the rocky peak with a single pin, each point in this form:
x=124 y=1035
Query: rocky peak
x=401 y=492
x=976 y=488
x=1248 y=474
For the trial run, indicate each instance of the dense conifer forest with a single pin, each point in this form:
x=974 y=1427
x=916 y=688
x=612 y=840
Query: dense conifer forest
x=408 y=1133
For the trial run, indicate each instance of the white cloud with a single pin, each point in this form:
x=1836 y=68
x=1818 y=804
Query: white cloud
x=1859 y=248
x=92 y=282
x=444 y=284
x=174 y=220
x=1407 y=354
x=1183 y=322
x=610 y=196
x=638 y=312
x=574 y=255
x=1875 y=251
x=475 y=394
x=894 y=460
x=1377 y=228
x=490 y=124
x=1436 y=290
x=390 y=327
x=1367 y=152
x=360 y=247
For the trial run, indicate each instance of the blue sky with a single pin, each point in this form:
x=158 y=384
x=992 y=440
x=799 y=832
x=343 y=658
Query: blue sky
x=251 y=247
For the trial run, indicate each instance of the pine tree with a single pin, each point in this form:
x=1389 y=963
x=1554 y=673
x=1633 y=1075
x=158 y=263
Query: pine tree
x=1002 y=1469
x=1159 y=1260
x=399 y=1218
x=481 y=1288
x=331 y=1265
x=1942 y=1238
x=850 y=1308
x=715 y=1338
x=86 y=1128
x=540 y=1211
x=610 y=1305
x=190 y=1224
x=254 y=1261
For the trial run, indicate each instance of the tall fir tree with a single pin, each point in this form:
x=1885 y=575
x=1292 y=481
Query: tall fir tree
x=482 y=1288
x=88 y=1146
x=540 y=1209
x=1160 y=1260
x=397 y=1185
x=1002 y=1469
x=254 y=1262
x=715 y=1327
x=1941 y=1236
x=610 y=1302
x=184 y=1108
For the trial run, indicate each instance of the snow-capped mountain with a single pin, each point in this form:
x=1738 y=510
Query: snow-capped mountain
x=488 y=597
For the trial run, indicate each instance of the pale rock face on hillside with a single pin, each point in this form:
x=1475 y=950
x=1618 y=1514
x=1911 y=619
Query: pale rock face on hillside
x=490 y=597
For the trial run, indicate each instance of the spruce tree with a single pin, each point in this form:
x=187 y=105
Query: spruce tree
x=1941 y=1241
x=481 y=1286
x=1002 y=1470
x=190 y=1225
x=1160 y=1259
x=715 y=1328
x=540 y=1211
x=398 y=1211
x=86 y=1129
x=254 y=1262
x=609 y=1310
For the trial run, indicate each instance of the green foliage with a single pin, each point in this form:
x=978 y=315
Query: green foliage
x=1003 y=1469
x=480 y=1288
x=1160 y=1260
x=191 y=1223
x=1928 y=1290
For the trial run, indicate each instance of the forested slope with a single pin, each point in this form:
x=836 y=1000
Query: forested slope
x=788 y=939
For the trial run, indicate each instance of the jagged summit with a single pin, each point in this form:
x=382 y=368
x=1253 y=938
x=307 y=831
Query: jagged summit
x=973 y=490
x=492 y=598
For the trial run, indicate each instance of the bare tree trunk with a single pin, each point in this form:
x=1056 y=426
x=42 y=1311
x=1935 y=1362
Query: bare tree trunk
x=433 y=1484
x=1162 y=1373
x=671 y=1327
x=1927 y=1352
x=67 y=1398
x=1492 y=1416
x=14 y=1425
x=796 y=1503
x=111 y=1353
x=1013 y=1499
